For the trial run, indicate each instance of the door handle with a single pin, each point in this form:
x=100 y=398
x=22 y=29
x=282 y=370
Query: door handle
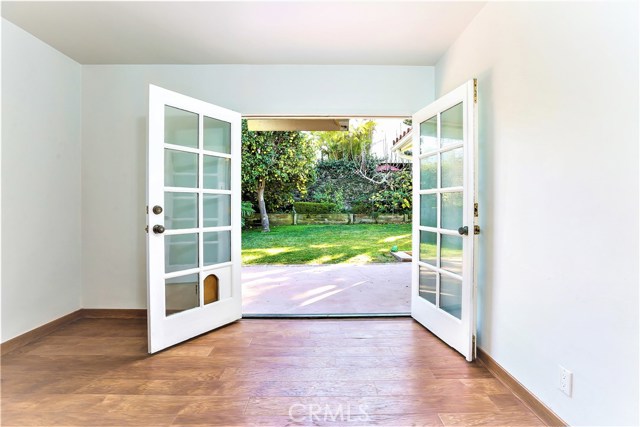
x=463 y=231
x=158 y=229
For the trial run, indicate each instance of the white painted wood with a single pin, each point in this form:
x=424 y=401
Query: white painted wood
x=440 y=150
x=165 y=331
x=458 y=333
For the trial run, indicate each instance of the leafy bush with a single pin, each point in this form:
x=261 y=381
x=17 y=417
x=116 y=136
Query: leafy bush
x=364 y=207
x=315 y=208
x=396 y=196
x=246 y=210
x=341 y=182
x=337 y=181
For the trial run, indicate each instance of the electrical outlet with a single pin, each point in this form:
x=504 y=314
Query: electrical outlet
x=566 y=381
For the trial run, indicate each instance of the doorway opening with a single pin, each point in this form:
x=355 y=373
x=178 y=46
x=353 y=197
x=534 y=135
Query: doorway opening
x=333 y=237
x=194 y=164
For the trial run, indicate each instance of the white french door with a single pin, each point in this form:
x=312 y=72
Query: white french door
x=444 y=218
x=193 y=203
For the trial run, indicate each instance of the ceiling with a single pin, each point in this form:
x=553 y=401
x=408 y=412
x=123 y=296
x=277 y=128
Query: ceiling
x=246 y=32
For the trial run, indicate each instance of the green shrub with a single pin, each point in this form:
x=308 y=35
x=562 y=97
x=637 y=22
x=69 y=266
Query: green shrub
x=246 y=210
x=362 y=207
x=396 y=197
x=315 y=208
x=337 y=181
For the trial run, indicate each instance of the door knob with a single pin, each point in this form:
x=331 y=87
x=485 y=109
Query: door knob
x=158 y=229
x=462 y=230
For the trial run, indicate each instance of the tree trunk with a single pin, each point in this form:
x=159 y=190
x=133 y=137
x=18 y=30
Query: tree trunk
x=263 y=209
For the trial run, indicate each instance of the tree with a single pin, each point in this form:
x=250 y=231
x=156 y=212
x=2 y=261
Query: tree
x=351 y=145
x=279 y=161
x=396 y=193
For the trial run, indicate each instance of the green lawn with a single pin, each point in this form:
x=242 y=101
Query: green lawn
x=325 y=244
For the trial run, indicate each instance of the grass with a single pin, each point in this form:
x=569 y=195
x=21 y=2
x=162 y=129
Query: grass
x=325 y=244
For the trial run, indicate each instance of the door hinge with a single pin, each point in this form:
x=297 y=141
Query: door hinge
x=475 y=91
x=475 y=210
x=474 y=349
x=476 y=229
x=147 y=209
x=146 y=229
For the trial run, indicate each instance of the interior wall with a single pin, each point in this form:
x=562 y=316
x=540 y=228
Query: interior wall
x=114 y=103
x=558 y=136
x=41 y=122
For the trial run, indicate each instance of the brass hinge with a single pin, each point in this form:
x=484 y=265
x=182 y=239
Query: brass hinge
x=475 y=210
x=473 y=346
x=476 y=229
x=475 y=91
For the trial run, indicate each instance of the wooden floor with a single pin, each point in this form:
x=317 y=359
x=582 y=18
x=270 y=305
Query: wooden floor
x=253 y=372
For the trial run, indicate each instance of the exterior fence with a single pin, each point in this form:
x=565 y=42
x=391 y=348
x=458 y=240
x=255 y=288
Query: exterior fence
x=329 y=219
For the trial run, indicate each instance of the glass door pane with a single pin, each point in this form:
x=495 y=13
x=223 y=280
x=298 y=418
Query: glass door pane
x=441 y=171
x=180 y=169
x=217 y=135
x=188 y=173
x=451 y=126
x=180 y=127
x=180 y=210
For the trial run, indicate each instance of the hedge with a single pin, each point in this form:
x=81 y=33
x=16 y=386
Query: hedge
x=314 y=207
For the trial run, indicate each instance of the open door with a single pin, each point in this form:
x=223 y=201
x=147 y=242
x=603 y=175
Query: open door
x=193 y=218
x=444 y=218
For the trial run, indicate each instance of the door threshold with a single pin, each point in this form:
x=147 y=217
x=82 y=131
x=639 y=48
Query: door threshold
x=321 y=315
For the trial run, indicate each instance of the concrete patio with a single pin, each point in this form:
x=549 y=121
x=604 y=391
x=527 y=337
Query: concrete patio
x=326 y=289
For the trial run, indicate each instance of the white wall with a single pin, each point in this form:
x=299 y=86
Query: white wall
x=41 y=122
x=114 y=103
x=558 y=128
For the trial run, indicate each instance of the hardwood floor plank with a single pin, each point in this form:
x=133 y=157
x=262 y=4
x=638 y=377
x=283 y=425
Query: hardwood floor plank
x=51 y=402
x=210 y=409
x=507 y=402
x=369 y=405
x=484 y=385
x=297 y=351
x=311 y=374
x=428 y=361
x=421 y=387
x=237 y=361
x=81 y=419
x=151 y=373
x=104 y=328
x=525 y=419
x=330 y=420
x=317 y=388
x=187 y=349
x=339 y=342
x=162 y=404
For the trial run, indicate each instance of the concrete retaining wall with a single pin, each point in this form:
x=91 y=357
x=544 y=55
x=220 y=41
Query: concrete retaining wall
x=333 y=219
x=380 y=219
x=274 y=219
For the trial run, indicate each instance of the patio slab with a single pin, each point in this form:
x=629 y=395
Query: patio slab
x=324 y=289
